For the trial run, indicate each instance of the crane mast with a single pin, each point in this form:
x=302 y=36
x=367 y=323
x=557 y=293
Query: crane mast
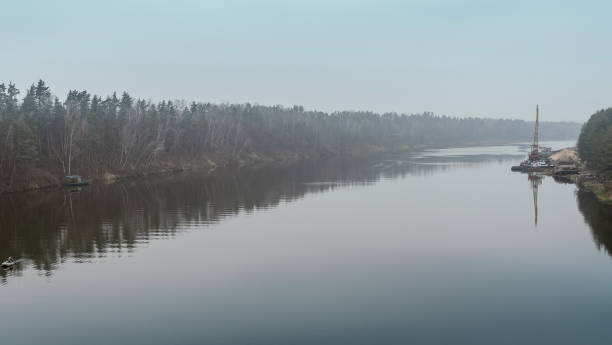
x=535 y=152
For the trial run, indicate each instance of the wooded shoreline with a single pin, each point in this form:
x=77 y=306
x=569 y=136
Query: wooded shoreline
x=209 y=166
x=43 y=139
x=595 y=151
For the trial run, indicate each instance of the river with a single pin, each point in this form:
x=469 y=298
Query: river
x=441 y=247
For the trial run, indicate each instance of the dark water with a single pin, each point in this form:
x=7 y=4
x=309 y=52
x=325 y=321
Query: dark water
x=441 y=247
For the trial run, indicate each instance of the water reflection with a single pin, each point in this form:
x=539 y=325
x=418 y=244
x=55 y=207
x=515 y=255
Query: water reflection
x=48 y=227
x=597 y=215
x=599 y=218
x=535 y=181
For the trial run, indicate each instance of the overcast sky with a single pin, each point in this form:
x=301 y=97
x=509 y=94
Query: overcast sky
x=460 y=58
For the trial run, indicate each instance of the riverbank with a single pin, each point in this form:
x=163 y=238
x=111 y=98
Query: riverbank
x=34 y=178
x=586 y=180
x=601 y=188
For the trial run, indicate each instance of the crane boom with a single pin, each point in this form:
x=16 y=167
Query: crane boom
x=535 y=152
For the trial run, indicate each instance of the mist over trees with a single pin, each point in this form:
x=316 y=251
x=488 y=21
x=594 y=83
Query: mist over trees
x=595 y=142
x=42 y=137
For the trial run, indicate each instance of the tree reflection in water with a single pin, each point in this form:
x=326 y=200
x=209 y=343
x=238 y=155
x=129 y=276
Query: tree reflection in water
x=47 y=227
x=599 y=218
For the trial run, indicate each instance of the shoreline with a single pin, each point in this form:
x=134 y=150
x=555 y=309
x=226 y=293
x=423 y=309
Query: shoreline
x=205 y=165
x=45 y=180
x=586 y=180
x=600 y=188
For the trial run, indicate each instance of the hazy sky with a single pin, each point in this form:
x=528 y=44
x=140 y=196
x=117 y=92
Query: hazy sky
x=462 y=58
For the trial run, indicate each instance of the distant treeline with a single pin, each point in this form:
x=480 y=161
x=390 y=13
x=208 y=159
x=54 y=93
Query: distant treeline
x=42 y=137
x=595 y=142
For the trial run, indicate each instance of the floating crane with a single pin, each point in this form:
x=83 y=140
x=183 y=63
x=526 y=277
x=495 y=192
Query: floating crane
x=537 y=159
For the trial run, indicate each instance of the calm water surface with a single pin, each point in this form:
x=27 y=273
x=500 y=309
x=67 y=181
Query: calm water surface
x=441 y=247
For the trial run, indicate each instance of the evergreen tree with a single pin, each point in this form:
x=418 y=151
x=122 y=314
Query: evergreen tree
x=595 y=142
x=25 y=142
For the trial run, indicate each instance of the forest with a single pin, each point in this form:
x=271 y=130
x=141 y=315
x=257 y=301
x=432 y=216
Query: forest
x=43 y=138
x=595 y=142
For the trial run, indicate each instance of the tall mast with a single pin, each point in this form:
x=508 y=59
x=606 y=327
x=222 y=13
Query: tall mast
x=535 y=153
x=535 y=135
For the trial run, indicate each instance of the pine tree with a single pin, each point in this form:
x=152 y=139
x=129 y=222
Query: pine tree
x=27 y=153
x=595 y=142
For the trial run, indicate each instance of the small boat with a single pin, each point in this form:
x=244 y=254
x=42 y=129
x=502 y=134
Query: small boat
x=9 y=262
x=74 y=181
x=532 y=166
